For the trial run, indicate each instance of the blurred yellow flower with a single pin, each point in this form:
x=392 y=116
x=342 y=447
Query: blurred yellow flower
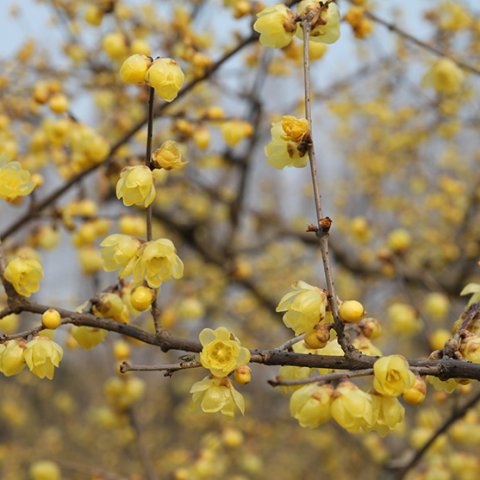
x=88 y=337
x=221 y=354
x=14 y=180
x=388 y=412
x=44 y=470
x=217 y=395
x=444 y=76
x=24 y=274
x=234 y=131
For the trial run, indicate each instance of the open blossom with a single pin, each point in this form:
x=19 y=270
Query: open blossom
x=327 y=27
x=310 y=404
x=276 y=26
x=135 y=186
x=217 y=395
x=392 y=375
x=156 y=262
x=221 y=354
x=12 y=360
x=24 y=274
x=288 y=147
x=352 y=408
x=118 y=250
x=42 y=355
x=304 y=305
x=14 y=180
x=166 y=77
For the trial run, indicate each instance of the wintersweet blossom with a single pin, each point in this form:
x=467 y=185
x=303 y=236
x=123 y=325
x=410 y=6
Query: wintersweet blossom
x=168 y=156
x=135 y=186
x=12 y=360
x=221 y=353
x=388 y=413
x=156 y=262
x=276 y=26
x=305 y=306
x=392 y=375
x=24 y=274
x=118 y=250
x=311 y=404
x=217 y=395
x=352 y=408
x=327 y=27
x=134 y=68
x=288 y=147
x=15 y=181
x=42 y=355
x=166 y=77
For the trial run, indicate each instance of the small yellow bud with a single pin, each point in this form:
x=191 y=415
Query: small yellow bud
x=438 y=338
x=371 y=328
x=201 y=137
x=44 y=470
x=51 y=319
x=58 y=103
x=93 y=15
x=140 y=46
x=417 y=393
x=232 y=437
x=134 y=68
x=121 y=350
x=399 y=240
x=319 y=337
x=351 y=311
x=166 y=77
x=115 y=45
x=243 y=375
x=436 y=305
x=444 y=76
x=235 y=131
x=142 y=298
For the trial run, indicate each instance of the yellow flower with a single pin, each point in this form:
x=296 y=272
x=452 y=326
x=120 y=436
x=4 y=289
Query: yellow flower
x=352 y=408
x=288 y=147
x=220 y=353
x=44 y=470
x=217 y=395
x=166 y=77
x=327 y=27
x=417 y=393
x=235 y=131
x=276 y=26
x=392 y=375
x=135 y=186
x=310 y=405
x=88 y=337
x=470 y=348
x=305 y=306
x=444 y=76
x=42 y=355
x=14 y=180
x=351 y=311
x=12 y=360
x=404 y=319
x=168 y=156
x=388 y=412
x=24 y=274
x=117 y=251
x=156 y=262
x=134 y=68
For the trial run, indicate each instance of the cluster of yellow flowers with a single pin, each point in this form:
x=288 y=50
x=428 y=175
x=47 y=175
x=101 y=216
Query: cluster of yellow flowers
x=356 y=410
x=163 y=74
x=41 y=355
x=222 y=354
x=278 y=25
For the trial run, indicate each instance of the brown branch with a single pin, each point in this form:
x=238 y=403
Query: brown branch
x=169 y=369
x=420 y=43
x=320 y=379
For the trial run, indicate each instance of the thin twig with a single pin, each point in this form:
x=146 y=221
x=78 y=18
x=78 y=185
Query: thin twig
x=320 y=379
x=289 y=343
x=322 y=232
x=168 y=368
